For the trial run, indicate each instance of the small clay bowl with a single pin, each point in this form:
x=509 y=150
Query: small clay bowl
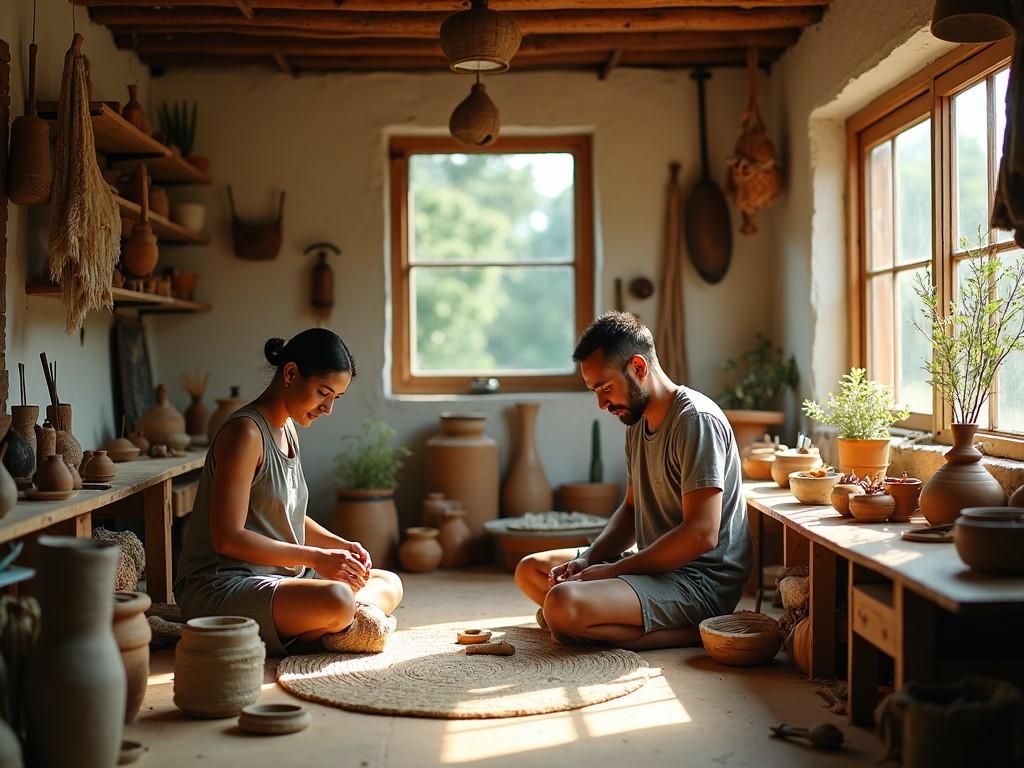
x=473 y=636
x=872 y=507
x=274 y=719
x=991 y=539
x=907 y=492
x=757 y=465
x=813 y=490
x=840 y=497
x=122 y=449
x=787 y=462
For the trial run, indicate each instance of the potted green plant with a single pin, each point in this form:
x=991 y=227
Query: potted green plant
x=367 y=470
x=595 y=497
x=862 y=412
x=752 y=403
x=969 y=341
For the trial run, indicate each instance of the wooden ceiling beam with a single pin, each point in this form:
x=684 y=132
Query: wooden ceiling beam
x=450 y=6
x=426 y=25
x=282 y=63
x=244 y=7
x=611 y=63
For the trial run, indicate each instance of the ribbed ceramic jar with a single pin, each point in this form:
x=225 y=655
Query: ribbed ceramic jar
x=218 y=666
x=132 y=632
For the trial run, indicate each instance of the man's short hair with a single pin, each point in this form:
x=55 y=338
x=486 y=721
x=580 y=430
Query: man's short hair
x=619 y=335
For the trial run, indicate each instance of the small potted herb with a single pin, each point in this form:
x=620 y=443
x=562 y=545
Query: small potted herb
x=752 y=402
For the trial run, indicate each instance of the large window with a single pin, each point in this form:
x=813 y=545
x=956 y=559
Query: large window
x=924 y=159
x=492 y=262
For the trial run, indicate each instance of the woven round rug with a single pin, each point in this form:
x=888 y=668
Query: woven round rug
x=425 y=673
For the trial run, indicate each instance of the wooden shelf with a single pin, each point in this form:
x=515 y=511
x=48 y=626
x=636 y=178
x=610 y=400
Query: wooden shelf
x=144 y=302
x=166 y=231
x=169 y=169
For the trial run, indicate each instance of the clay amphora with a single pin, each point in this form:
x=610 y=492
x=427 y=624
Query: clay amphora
x=132 y=633
x=162 y=420
x=218 y=666
x=23 y=421
x=8 y=491
x=369 y=517
x=420 y=552
x=18 y=456
x=197 y=417
x=133 y=111
x=99 y=469
x=599 y=499
x=225 y=407
x=76 y=682
x=462 y=463
x=961 y=482
x=67 y=444
x=434 y=506
x=54 y=475
x=455 y=539
x=526 y=486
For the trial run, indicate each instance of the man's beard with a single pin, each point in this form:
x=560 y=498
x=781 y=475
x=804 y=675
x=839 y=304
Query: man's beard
x=636 y=404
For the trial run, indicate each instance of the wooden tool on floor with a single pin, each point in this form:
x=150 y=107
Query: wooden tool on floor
x=500 y=648
x=823 y=736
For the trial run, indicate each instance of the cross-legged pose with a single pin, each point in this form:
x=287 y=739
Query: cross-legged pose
x=683 y=510
x=250 y=549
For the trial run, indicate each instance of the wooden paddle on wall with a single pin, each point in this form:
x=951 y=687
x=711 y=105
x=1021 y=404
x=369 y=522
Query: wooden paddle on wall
x=708 y=224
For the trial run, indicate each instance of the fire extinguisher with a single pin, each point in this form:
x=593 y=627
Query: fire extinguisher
x=323 y=279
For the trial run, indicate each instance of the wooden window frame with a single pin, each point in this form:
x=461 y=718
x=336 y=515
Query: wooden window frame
x=400 y=148
x=929 y=93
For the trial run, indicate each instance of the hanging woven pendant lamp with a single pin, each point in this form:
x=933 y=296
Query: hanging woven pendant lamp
x=972 y=21
x=480 y=40
x=476 y=121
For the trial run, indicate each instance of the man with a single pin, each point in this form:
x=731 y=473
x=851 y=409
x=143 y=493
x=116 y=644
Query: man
x=683 y=509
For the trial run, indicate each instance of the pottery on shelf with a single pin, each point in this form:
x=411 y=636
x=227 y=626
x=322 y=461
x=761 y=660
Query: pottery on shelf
x=76 y=686
x=46 y=441
x=757 y=464
x=67 y=444
x=23 y=421
x=906 y=491
x=177 y=442
x=526 y=486
x=191 y=216
x=99 y=469
x=141 y=252
x=54 y=475
x=599 y=499
x=121 y=449
x=872 y=507
x=787 y=462
x=813 y=490
x=991 y=539
x=961 y=482
x=420 y=552
x=19 y=458
x=184 y=285
x=162 y=420
x=218 y=666
x=140 y=442
x=133 y=111
x=76 y=477
x=455 y=538
x=370 y=517
x=434 y=505
x=159 y=202
x=865 y=458
x=132 y=633
x=225 y=407
x=840 y=497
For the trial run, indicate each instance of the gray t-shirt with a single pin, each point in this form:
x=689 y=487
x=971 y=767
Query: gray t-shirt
x=692 y=448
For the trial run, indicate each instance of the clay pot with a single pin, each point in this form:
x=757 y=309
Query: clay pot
x=840 y=497
x=455 y=539
x=420 y=552
x=872 y=507
x=100 y=468
x=369 y=517
x=599 y=499
x=434 y=506
x=132 y=633
x=8 y=494
x=906 y=492
x=23 y=421
x=76 y=477
x=813 y=490
x=67 y=444
x=750 y=426
x=178 y=442
x=868 y=458
x=961 y=482
x=184 y=284
x=526 y=486
x=462 y=463
x=991 y=539
x=53 y=475
x=159 y=203
x=757 y=464
x=218 y=666
x=191 y=216
x=225 y=407
x=787 y=462
x=132 y=110
x=121 y=449
x=30 y=172
x=140 y=442
x=19 y=458
x=76 y=681
x=162 y=420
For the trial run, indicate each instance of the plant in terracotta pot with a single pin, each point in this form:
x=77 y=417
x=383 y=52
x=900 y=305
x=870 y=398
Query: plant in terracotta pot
x=969 y=340
x=751 y=403
x=874 y=505
x=367 y=470
x=862 y=412
x=595 y=497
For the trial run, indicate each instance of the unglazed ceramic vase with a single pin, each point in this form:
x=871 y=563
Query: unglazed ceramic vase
x=455 y=539
x=54 y=475
x=462 y=463
x=434 y=506
x=961 y=482
x=197 y=417
x=872 y=507
x=218 y=666
x=420 y=552
x=76 y=681
x=99 y=469
x=371 y=518
x=526 y=486
x=23 y=421
x=132 y=633
x=225 y=407
x=906 y=492
x=67 y=444
x=162 y=420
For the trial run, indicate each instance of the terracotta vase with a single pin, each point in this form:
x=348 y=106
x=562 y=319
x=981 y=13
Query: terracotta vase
x=218 y=666
x=132 y=110
x=455 y=539
x=76 y=681
x=434 y=506
x=159 y=202
x=23 y=421
x=76 y=477
x=53 y=474
x=865 y=457
x=67 y=444
x=526 y=486
x=370 y=517
x=420 y=552
x=961 y=482
x=100 y=468
x=197 y=417
x=140 y=442
x=462 y=463
x=906 y=492
x=599 y=499
x=162 y=420
x=8 y=491
x=132 y=633
x=225 y=407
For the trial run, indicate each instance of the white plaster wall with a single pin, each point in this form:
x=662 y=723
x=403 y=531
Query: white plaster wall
x=35 y=324
x=323 y=139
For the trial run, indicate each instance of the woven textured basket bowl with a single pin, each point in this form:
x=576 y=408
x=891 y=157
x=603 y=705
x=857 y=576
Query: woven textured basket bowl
x=742 y=639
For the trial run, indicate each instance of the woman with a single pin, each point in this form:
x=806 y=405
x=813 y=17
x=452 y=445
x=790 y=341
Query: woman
x=250 y=550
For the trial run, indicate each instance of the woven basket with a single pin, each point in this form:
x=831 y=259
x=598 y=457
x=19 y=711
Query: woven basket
x=476 y=120
x=742 y=639
x=480 y=39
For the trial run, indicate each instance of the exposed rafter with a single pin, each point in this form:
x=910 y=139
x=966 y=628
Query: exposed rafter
x=448 y=6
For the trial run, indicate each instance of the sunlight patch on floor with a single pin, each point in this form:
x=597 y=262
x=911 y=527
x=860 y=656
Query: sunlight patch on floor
x=161 y=678
x=489 y=623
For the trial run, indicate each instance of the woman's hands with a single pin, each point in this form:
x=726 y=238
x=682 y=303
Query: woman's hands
x=566 y=571
x=343 y=565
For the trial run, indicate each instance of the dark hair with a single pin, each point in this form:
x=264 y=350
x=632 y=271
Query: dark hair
x=316 y=352
x=619 y=335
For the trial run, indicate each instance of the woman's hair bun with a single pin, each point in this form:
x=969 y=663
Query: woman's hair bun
x=273 y=350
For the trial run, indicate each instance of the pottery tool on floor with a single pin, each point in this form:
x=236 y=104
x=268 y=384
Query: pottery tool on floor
x=824 y=736
x=473 y=636
x=500 y=648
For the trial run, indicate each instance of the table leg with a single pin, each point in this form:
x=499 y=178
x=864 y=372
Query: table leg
x=916 y=653
x=795 y=549
x=80 y=527
x=759 y=558
x=156 y=507
x=822 y=611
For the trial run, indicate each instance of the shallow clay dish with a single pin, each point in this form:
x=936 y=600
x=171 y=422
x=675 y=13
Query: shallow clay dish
x=274 y=719
x=991 y=539
x=34 y=495
x=473 y=636
x=813 y=490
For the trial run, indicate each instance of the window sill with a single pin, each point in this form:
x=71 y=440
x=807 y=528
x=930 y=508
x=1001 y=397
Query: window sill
x=922 y=459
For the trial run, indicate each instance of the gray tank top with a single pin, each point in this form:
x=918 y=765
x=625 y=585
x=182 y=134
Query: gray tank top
x=277 y=509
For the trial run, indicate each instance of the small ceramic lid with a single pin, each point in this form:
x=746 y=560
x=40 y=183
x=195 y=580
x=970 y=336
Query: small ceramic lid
x=274 y=719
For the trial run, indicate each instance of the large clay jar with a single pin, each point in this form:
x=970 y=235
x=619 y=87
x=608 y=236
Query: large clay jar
x=76 y=682
x=8 y=491
x=526 y=486
x=132 y=633
x=67 y=444
x=54 y=475
x=462 y=463
x=218 y=666
x=866 y=458
x=162 y=420
x=961 y=482
x=371 y=518
x=455 y=539
x=420 y=552
x=23 y=421
x=197 y=417
x=225 y=407
x=599 y=499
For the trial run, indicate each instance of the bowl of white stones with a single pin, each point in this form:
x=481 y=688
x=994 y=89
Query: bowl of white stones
x=541 y=531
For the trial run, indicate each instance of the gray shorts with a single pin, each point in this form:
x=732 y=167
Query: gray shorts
x=239 y=594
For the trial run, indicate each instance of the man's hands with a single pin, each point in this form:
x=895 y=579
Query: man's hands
x=580 y=569
x=343 y=565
